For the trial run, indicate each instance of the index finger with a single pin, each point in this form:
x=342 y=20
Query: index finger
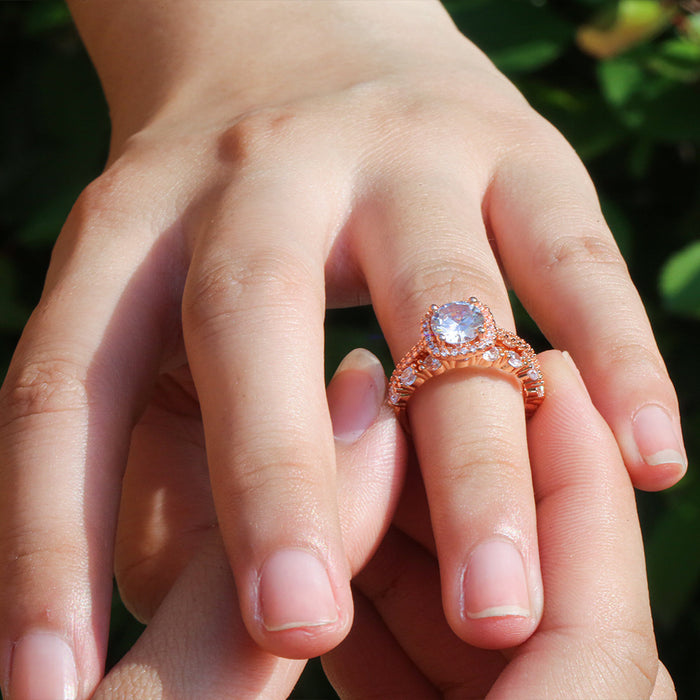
x=596 y=631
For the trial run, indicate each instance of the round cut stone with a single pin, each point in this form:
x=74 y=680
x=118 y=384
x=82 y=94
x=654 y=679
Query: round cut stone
x=408 y=376
x=514 y=360
x=432 y=363
x=457 y=323
x=492 y=354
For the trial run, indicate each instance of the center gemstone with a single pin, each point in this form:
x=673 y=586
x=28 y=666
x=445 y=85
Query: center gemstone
x=457 y=323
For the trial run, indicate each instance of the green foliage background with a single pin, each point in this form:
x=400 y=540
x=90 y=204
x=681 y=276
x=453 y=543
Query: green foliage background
x=622 y=82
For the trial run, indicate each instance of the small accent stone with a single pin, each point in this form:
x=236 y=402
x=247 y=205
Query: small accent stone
x=514 y=360
x=433 y=364
x=408 y=376
x=457 y=323
x=491 y=355
x=540 y=390
x=534 y=375
x=394 y=398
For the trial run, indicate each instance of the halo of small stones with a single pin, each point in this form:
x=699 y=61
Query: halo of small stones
x=492 y=348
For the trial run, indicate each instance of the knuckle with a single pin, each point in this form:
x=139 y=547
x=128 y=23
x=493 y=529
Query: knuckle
x=256 y=132
x=43 y=387
x=266 y=278
x=290 y=480
x=107 y=212
x=580 y=252
x=25 y=553
x=440 y=278
x=105 y=203
x=622 y=355
x=485 y=471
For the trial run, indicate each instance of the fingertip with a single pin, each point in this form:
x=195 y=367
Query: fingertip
x=42 y=666
x=499 y=608
x=295 y=592
x=650 y=440
x=301 y=612
x=657 y=459
x=656 y=478
x=355 y=395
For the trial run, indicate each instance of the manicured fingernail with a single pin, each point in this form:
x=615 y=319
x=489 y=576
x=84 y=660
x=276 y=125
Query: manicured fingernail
x=295 y=591
x=43 y=668
x=495 y=582
x=355 y=394
x=656 y=438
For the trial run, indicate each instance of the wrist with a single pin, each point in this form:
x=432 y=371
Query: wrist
x=154 y=60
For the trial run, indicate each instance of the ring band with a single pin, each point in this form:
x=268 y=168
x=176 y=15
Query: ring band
x=463 y=334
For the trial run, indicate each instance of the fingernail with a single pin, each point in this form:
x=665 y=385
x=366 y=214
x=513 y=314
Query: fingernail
x=355 y=394
x=495 y=582
x=295 y=591
x=655 y=435
x=43 y=668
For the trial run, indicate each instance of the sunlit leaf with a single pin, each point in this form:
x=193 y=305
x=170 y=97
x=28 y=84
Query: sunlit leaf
x=623 y=25
x=678 y=59
x=680 y=281
x=621 y=79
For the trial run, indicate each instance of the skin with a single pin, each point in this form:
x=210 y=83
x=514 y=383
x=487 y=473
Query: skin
x=258 y=174
x=595 y=640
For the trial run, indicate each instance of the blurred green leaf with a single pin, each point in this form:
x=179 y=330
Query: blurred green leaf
x=45 y=16
x=582 y=116
x=672 y=562
x=619 y=224
x=651 y=104
x=677 y=59
x=691 y=27
x=680 y=281
x=518 y=36
x=621 y=79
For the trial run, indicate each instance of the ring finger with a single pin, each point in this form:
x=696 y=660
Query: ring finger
x=468 y=425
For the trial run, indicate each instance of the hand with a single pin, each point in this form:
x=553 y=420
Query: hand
x=596 y=638
x=364 y=151
x=172 y=568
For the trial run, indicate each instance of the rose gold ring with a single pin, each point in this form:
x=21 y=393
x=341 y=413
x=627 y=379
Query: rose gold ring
x=464 y=334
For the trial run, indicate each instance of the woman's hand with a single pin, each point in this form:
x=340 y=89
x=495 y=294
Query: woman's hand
x=270 y=159
x=595 y=639
x=171 y=566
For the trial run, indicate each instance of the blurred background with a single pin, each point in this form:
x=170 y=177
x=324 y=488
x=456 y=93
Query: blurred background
x=621 y=80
